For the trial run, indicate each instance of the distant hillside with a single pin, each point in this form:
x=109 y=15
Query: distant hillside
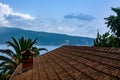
x=44 y=38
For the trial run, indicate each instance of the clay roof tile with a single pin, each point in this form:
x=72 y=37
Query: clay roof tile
x=75 y=63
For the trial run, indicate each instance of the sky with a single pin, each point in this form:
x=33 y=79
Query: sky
x=71 y=17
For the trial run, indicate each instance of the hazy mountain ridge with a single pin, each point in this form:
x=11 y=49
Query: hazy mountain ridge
x=44 y=38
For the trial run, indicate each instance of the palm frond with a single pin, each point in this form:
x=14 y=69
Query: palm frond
x=33 y=42
x=7 y=52
x=9 y=63
x=16 y=43
x=12 y=45
x=6 y=59
x=21 y=42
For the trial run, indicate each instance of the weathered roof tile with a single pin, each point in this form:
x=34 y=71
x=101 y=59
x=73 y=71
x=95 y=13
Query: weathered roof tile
x=75 y=63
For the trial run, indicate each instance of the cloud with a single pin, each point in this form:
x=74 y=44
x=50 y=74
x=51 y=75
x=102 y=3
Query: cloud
x=71 y=24
x=79 y=17
x=7 y=15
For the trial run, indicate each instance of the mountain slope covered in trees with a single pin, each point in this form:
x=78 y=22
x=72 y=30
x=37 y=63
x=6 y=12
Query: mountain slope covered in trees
x=44 y=38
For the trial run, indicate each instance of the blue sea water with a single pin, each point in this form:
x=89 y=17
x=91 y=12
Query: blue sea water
x=49 y=48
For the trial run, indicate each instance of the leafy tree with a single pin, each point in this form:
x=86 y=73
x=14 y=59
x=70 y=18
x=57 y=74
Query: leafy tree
x=97 y=41
x=105 y=40
x=13 y=58
x=113 y=40
x=101 y=40
x=113 y=22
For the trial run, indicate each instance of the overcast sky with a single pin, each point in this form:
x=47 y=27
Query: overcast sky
x=72 y=17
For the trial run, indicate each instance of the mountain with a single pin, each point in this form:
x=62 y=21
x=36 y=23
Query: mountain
x=44 y=38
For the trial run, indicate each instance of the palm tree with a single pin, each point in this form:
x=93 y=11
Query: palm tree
x=13 y=58
x=8 y=63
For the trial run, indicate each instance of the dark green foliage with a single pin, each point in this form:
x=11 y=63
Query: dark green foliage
x=113 y=22
x=106 y=40
x=113 y=40
x=13 y=58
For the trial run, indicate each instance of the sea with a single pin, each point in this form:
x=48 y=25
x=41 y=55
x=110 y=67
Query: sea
x=49 y=48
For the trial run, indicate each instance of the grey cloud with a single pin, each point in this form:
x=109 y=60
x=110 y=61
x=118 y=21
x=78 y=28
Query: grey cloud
x=16 y=21
x=19 y=22
x=65 y=26
x=9 y=17
x=82 y=17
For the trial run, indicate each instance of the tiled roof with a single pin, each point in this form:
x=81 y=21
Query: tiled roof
x=75 y=63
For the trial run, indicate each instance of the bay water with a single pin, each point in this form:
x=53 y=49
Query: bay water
x=49 y=48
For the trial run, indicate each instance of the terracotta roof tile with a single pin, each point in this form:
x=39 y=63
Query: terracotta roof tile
x=75 y=63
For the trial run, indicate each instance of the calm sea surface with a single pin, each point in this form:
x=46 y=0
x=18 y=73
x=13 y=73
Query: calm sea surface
x=42 y=52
